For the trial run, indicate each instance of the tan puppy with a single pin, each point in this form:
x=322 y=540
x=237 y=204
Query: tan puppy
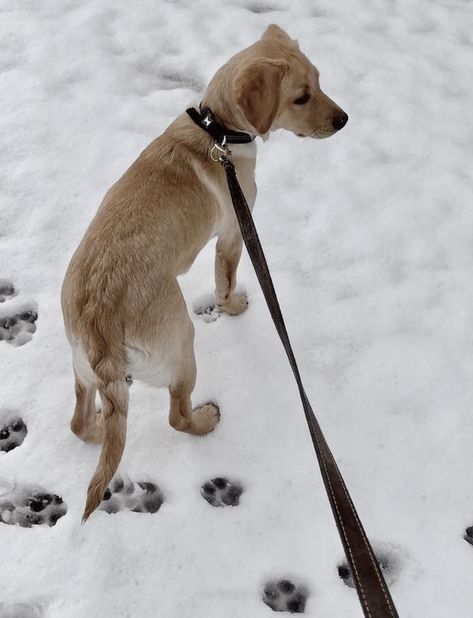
x=123 y=309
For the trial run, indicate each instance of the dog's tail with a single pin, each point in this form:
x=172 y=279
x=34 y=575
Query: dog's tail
x=104 y=343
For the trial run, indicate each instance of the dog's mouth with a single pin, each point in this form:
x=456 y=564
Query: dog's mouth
x=322 y=133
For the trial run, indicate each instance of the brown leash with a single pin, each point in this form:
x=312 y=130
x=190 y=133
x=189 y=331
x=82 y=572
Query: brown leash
x=372 y=590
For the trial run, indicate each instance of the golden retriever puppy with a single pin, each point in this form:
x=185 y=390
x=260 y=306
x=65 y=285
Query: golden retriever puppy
x=123 y=309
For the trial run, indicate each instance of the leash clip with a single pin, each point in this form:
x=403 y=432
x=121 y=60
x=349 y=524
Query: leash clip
x=219 y=151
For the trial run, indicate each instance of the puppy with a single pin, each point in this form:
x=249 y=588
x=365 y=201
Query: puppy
x=124 y=312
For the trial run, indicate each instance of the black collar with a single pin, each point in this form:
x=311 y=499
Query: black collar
x=206 y=121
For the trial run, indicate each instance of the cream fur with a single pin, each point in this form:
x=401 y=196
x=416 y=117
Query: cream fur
x=123 y=309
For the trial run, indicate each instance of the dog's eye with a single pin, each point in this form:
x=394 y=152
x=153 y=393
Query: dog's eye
x=303 y=99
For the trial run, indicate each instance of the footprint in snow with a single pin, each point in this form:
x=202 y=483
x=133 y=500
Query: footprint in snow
x=206 y=309
x=21 y=610
x=173 y=79
x=387 y=560
x=7 y=290
x=282 y=595
x=124 y=495
x=261 y=7
x=17 y=320
x=222 y=492
x=13 y=431
x=469 y=535
x=31 y=505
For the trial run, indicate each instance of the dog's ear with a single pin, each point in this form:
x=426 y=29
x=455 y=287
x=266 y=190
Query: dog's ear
x=257 y=88
x=274 y=32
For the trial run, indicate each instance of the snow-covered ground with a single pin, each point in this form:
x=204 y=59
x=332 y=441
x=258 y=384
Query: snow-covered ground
x=369 y=236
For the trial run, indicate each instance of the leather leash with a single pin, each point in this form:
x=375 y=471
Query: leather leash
x=371 y=587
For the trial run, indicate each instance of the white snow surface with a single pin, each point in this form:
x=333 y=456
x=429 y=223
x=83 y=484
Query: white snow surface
x=369 y=238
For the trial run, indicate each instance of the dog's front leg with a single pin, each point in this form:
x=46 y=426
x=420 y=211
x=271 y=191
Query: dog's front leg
x=227 y=258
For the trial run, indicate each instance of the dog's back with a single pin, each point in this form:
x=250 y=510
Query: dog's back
x=123 y=271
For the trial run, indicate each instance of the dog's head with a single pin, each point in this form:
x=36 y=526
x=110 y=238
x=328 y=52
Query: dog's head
x=272 y=85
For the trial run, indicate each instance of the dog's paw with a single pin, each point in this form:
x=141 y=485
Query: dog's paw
x=12 y=431
x=388 y=562
x=235 y=305
x=204 y=419
x=31 y=505
x=222 y=492
x=124 y=495
x=284 y=596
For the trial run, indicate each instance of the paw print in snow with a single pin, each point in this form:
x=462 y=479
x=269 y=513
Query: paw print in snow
x=17 y=319
x=21 y=610
x=387 y=560
x=12 y=432
x=284 y=596
x=17 y=329
x=7 y=290
x=139 y=497
x=469 y=535
x=206 y=308
x=29 y=505
x=222 y=492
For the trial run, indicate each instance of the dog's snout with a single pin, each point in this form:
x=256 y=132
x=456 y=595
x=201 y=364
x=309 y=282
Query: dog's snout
x=340 y=121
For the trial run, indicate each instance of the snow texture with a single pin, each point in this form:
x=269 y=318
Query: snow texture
x=369 y=238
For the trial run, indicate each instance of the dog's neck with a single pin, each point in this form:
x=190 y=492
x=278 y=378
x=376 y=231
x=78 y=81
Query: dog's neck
x=185 y=131
x=205 y=119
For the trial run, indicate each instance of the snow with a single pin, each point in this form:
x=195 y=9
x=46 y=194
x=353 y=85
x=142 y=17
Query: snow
x=368 y=235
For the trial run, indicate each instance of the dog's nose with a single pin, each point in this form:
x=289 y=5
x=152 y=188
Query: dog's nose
x=340 y=121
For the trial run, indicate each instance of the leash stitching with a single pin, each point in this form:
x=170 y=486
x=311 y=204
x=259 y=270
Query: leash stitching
x=356 y=518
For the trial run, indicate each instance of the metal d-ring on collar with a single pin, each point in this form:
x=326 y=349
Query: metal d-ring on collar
x=218 y=151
